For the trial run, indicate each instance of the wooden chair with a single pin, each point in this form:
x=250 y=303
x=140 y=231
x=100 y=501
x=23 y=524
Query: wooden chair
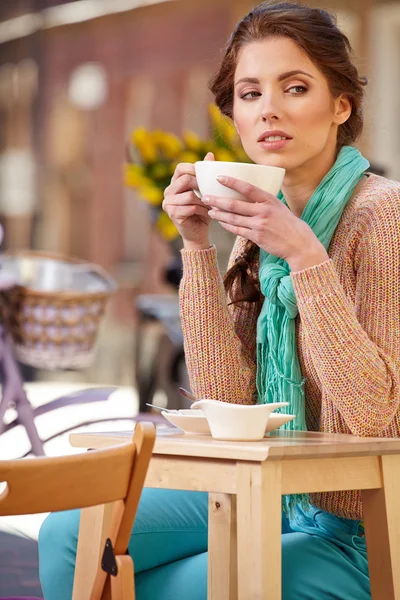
x=113 y=475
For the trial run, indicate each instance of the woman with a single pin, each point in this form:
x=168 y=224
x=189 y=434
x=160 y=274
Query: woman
x=325 y=256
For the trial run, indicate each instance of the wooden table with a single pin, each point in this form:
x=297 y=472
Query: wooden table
x=246 y=480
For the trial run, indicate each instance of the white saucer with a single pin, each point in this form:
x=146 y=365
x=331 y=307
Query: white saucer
x=190 y=421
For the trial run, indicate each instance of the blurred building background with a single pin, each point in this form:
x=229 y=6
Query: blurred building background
x=77 y=77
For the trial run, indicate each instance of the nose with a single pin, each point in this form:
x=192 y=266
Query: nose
x=269 y=109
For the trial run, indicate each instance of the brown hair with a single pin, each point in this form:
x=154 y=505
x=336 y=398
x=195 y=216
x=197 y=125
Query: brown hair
x=315 y=31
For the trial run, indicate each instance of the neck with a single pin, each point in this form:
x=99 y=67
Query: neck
x=300 y=184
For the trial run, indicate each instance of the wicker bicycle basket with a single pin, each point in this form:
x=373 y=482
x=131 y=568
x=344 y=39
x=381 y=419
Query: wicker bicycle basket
x=55 y=309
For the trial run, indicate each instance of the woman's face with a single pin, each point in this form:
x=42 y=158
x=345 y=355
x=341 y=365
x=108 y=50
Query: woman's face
x=280 y=93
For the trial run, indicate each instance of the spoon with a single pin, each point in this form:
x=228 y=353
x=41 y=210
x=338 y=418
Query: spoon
x=169 y=410
x=187 y=394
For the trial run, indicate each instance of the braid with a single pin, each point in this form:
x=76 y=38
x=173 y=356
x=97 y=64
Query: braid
x=241 y=283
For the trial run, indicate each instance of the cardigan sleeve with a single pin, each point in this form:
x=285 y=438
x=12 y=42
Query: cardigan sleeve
x=219 y=340
x=355 y=346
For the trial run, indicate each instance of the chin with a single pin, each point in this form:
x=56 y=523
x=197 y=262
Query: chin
x=272 y=160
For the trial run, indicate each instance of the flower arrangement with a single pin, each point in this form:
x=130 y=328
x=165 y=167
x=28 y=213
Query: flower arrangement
x=152 y=157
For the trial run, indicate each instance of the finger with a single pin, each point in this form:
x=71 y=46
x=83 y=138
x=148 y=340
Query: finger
x=183 y=212
x=184 y=183
x=231 y=219
x=240 y=231
x=183 y=169
x=184 y=199
x=239 y=207
x=247 y=189
x=209 y=156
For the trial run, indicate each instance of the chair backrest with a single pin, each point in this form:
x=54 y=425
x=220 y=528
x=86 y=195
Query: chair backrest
x=62 y=483
x=111 y=475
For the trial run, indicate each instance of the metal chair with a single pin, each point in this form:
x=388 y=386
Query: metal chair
x=165 y=369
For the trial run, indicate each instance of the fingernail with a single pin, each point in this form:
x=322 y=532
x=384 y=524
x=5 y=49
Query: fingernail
x=222 y=179
x=211 y=213
x=206 y=199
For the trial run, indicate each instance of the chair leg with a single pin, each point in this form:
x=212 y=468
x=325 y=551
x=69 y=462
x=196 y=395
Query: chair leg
x=123 y=585
x=382 y=531
x=94 y=527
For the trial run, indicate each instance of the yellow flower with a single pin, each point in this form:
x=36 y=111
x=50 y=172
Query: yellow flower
x=166 y=227
x=215 y=114
x=161 y=151
x=148 y=152
x=169 y=143
x=232 y=135
x=157 y=136
x=152 y=194
x=173 y=166
x=134 y=176
x=227 y=130
x=139 y=136
x=224 y=155
x=144 y=143
x=160 y=171
x=224 y=126
x=192 y=140
x=189 y=157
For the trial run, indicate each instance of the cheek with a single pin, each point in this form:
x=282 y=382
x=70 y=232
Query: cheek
x=243 y=119
x=241 y=126
x=315 y=116
x=315 y=129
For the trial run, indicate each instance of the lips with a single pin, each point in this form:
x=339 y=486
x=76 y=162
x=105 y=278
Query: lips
x=282 y=135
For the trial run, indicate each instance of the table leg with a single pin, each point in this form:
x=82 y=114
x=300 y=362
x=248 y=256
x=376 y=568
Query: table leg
x=93 y=527
x=259 y=507
x=382 y=531
x=222 y=550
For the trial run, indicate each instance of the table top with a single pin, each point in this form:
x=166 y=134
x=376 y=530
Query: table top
x=279 y=444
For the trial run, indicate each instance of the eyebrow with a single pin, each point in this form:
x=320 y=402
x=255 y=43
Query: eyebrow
x=281 y=77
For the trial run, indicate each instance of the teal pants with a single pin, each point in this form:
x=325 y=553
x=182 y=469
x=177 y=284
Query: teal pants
x=323 y=556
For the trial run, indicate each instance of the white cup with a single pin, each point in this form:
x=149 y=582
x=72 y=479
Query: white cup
x=267 y=178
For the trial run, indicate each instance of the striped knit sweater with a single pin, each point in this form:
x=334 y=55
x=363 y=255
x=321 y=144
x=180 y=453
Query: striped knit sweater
x=348 y=329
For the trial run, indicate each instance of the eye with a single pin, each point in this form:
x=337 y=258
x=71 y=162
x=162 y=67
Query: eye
x=297 y=90
x=250 y=95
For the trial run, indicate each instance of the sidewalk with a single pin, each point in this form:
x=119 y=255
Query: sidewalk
x=19 y=572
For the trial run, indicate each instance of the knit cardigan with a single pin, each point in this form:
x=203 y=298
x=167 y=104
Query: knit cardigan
x=348 y=329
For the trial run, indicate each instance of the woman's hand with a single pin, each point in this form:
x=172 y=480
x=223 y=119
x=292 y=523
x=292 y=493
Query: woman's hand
x=185 y=209
x=267 y=222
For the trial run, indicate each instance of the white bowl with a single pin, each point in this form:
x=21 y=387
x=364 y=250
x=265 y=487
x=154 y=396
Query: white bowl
x=190 y=421
x=237 y=422
x=195 y=421
x=265 y=177
x=276 y=420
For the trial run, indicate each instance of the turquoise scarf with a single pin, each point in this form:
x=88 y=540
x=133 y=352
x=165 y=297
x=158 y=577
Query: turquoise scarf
x=279 y=377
